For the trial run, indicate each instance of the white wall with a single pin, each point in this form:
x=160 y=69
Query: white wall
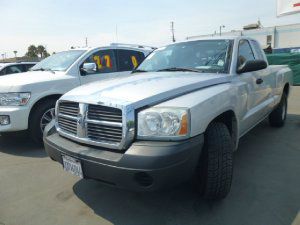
x=282 y=36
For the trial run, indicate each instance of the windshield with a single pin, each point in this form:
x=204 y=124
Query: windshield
x=59 y=62
x=210 y=56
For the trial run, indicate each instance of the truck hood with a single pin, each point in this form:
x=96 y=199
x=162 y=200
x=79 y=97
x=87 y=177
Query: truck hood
x=18 y=81
x=144 y=89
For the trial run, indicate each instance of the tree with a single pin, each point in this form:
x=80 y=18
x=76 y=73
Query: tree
x=41 y=50
x=15 y=52
x=32 y=52
x=35 y=52
x=46 y=54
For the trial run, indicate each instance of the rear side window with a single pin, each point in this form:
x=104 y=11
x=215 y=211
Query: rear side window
x=128 y=60
x=14 y=69
x=105 y=61
x=258 y=51
x=245 y=52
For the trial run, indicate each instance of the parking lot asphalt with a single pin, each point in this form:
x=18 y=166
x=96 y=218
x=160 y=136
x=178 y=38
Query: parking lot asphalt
x=266 y=187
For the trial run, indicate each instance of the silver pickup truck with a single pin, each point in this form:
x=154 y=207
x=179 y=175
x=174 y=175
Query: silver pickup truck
x=179 y=117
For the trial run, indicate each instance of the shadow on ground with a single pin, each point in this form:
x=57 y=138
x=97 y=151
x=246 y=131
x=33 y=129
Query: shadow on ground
x=265 y=188
x=21 y=145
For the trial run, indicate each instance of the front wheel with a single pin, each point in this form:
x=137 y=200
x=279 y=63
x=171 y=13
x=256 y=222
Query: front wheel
x=216 y=162
x=278 y=117
x=40 y=118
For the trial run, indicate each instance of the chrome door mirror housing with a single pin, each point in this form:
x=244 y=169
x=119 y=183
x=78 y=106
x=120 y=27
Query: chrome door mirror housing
x=88 y=68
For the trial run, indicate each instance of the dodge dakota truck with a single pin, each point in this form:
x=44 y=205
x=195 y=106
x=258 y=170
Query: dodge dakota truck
x=27 y=101
x=179 y=118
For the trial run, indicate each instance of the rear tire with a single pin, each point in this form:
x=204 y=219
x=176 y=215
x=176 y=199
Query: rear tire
x=216 y=162
x=278 y=117
x=36 y=117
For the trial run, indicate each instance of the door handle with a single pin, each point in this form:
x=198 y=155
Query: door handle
x=259 y=81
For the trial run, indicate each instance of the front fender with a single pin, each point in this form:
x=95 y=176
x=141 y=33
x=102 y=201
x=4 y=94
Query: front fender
x=207 y=104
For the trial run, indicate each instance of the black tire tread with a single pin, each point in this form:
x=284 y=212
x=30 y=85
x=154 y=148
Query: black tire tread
x=275 y=118
x=219 y=166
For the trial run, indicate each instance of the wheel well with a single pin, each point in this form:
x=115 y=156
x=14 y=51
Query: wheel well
x=229 y=119
x=41 y=101
x=286 y=89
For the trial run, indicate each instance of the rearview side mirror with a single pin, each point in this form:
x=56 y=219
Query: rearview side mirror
x=89 y=68
x=252 y=65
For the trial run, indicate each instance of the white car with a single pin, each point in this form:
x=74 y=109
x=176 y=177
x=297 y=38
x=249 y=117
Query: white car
x=27 y=102
x=10 y=68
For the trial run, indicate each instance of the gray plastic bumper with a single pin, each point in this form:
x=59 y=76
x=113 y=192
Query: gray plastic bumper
x=144 y=166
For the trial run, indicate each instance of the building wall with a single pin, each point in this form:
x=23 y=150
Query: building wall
x=287 y=36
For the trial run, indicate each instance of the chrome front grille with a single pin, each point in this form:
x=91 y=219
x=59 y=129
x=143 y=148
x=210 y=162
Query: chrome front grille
x=69 y=108
x=98 y=132
x=67 y=119
x=91 y=124
x=102 y=113
x=67 y=125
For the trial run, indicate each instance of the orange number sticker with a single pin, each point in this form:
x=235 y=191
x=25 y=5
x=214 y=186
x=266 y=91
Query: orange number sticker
x=108 y=61
x=97 y=59
x=134 y=61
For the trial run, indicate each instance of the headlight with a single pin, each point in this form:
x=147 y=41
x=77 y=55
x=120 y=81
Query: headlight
x=14 y=99
x=163 y=123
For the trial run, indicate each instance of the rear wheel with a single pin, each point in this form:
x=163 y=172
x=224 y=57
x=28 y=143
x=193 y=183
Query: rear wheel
x=40 y=118
x=278 y=117
x=216 y=162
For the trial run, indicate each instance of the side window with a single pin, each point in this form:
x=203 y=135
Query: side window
x=14 y=69
x=128 y=59
x=245 y=52
x=2 y=71
x=105 y=61
x=258 y=51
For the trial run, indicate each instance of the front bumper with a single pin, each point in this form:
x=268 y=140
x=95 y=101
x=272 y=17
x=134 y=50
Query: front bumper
x=18 y=118
x=145 y=166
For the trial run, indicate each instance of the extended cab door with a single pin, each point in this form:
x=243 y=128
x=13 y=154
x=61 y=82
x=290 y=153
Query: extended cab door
x=106 y=63
x=259 y=91
x=128 y=60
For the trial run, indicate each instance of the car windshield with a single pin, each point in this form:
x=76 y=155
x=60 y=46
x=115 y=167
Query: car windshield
x=207 y=56
x=59 y=62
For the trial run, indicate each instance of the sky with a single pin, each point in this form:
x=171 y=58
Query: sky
x=60 y=24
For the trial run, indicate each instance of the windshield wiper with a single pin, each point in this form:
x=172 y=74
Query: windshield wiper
x=174 y=69
x=44 y=69
x=139 y=71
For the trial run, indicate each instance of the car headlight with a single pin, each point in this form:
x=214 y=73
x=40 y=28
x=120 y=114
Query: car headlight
x=163 y=123
x=14 y=99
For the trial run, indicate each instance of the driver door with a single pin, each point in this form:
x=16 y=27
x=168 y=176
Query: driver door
x=258 y=92
x=106 y=66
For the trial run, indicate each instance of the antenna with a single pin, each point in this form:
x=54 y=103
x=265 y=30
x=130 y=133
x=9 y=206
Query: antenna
x=117 y=33
x=86 y=42
x=173 y=31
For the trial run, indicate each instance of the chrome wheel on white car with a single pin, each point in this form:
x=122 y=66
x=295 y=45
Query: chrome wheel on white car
x=40 y=117
x=47 y=117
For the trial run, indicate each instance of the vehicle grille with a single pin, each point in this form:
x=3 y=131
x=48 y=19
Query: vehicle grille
x=98 y=112
x=67 y=119
x=67 y=125
x=69 y=108
x=104 y=133
x=101 y=124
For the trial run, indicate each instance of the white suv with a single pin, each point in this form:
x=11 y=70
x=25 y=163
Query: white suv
x=10 y=68
x=27 y=102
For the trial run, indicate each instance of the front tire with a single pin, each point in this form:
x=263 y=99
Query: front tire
x=39 y=118
x=216 y=162
x=278 y=117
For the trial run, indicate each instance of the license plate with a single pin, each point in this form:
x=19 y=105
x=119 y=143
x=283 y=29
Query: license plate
x=72 y=166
